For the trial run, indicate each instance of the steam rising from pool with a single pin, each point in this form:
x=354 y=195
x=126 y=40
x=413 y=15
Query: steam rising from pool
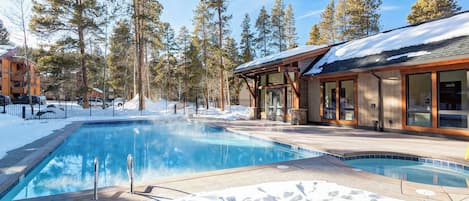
x=160 y=149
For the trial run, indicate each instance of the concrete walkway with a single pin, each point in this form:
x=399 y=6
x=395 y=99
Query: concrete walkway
x=341 y=141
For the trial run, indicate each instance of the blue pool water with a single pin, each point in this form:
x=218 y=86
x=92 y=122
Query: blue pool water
x=159 y=150
x=414 y=171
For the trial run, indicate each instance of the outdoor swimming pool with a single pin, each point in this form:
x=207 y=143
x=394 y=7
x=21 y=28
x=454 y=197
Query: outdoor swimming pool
x=414 y=170
x=159 y=149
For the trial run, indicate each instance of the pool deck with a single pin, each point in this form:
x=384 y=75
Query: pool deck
x=336 y=140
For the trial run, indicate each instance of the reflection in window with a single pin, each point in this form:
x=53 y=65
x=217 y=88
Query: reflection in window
x=453 y=99
x=347 y=111
x=419 y=99
x=329 y=100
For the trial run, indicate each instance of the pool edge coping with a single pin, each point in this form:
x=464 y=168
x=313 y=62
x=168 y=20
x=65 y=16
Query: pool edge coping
x=65 y=132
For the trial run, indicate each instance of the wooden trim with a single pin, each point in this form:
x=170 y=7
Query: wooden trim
x=342 y=77
x=450 y=131
x=404 y=99
x=251 y=91
x=292 y=84
x=275 y=86
x=434 y=95
x=353 y=122
x=434 y=115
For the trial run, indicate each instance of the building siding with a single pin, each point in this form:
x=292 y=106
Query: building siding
x=368 y=102
x=314 y=99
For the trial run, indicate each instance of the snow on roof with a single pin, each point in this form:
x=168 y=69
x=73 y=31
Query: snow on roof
x=279 y=56
x=5 y=48
x=433 y=31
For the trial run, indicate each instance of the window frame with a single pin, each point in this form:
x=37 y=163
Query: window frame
x=337 y=119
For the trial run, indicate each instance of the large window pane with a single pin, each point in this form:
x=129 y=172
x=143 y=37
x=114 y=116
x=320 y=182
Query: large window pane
x=419 y=100
x=453 y=99
x=346 y=100
x=329 y=100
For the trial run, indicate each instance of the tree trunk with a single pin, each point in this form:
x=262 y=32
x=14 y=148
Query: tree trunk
x=220 y=44
x=140 y=56
x=81 y=41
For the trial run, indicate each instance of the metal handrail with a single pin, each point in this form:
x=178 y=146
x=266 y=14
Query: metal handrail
x=130 y=172
x=96 y=175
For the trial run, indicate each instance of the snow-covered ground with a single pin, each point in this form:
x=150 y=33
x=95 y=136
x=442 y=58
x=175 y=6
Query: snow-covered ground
x=16 y=132
x=291 y=190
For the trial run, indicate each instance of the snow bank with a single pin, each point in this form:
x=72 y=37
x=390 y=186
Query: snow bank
x=235 y=112
x=291 y=190
x=425 y=33
x=280 y=55
x=16 y=132
x=150 y=105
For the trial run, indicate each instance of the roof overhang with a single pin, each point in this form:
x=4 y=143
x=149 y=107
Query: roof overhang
x=289 y=64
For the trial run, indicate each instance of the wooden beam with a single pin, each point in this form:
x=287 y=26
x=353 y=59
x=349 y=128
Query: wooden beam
x=251 y=91
x=288 y=69
x=290 y=81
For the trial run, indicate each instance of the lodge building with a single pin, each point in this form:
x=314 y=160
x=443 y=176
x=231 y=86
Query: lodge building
x=413 y=78
x=14 y=74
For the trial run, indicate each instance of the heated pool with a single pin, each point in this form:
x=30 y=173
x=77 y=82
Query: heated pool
x=420 y=171
x=159 y=149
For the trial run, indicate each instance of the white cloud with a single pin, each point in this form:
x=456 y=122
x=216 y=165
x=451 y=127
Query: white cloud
x=310 y=14
x=389 y=8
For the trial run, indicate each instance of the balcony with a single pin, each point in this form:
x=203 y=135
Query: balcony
x=18 y=90
x=20 y=78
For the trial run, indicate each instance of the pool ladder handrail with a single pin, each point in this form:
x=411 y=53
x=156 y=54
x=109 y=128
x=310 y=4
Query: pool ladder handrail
x=96 y=176
x=130 y=172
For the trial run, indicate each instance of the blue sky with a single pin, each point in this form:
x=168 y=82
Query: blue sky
x=180 y=13
x=307 y=12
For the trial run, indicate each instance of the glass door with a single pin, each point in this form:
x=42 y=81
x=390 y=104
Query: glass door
x=275 y=104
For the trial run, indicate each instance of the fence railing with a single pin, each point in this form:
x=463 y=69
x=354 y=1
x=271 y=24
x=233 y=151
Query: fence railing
x=69 y=109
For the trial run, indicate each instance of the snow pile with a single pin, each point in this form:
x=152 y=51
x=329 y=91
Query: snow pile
x=150 y=105
x=425 y=33
x=409 y=55
x=280 y=55
x=235 y=112
x=17 y=132
x=291 y=190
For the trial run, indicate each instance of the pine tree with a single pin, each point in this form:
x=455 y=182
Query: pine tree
x=263 y=27
x=184 y=41
x=363 y=18
x=314 y=36
x=423 y=10
x=146 y=18
x=327 y=26
x=4 y=35
x=166 y=67
x=50 y=16
x=219 y=7
x=278 y=25
x=341 y=20
x=120 y=60
x=202 y=43
x=247 y=40
x=290 y=28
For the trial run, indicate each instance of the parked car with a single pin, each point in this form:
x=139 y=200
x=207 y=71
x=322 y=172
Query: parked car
x=96 y=102
x=118 y=102
x=25 y=100
x=5 y=100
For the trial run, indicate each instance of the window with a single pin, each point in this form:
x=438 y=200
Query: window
x=329 y=100
x=453 y=100
x=419 y=99
x=346 y=100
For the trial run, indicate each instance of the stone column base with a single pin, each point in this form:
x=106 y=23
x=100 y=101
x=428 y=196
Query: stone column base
x=253 y=113
x=298 y=116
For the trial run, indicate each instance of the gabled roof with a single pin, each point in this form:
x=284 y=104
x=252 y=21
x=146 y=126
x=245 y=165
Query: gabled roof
x=442 y=38
x=271 y=59
x=4 y=49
